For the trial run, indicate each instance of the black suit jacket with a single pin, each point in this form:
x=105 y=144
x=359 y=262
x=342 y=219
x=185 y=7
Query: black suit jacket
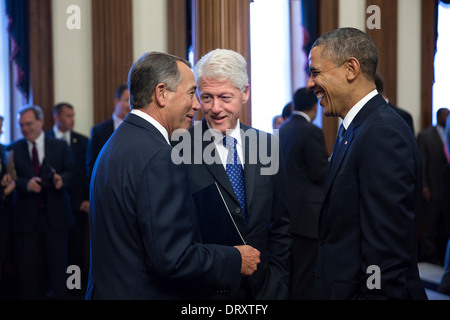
x=143 y=227
x=58 y=157
x=433 y=158
x=370 y=209
x=267 y=226
x=405 y=116
x=79 y=190
x=306 y=158
x=100 y=133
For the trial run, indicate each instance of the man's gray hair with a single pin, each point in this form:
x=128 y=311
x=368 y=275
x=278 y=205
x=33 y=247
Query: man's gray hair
x=341 y=44
x=38 y=113
x=151 y=69
x=223 y=64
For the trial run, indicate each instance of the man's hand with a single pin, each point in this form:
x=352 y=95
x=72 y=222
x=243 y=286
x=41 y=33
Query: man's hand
x=84 y=206
x=8 y=184
x=250 y=259
x=57 y=181
x=34 y=185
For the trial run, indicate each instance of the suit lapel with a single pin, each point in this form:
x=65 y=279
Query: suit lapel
x=216 y=168
x=362 y=115
x=249 y=168
x=21 y=155
x=338 y=156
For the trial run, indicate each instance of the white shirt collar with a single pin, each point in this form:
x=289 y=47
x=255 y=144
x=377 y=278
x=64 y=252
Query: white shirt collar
x=60 y=135
x=357 y=107
x=304 y=115
x=152 y=121
x=39 y=146
x=235 y=133
x=116 y=120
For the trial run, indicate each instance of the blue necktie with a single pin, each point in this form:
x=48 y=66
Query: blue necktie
x=235 y=172
x=339 y=138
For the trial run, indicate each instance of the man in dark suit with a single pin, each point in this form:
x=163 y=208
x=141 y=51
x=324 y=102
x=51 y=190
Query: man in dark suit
x=143 y=228
x=7 y=186
x=64 y=119
x=306 y=158
x=405 y=115
x=101 y=132
x=431 y=143
x=367 y=223
x=42 y=211
x=444 y=286
x=262 y=217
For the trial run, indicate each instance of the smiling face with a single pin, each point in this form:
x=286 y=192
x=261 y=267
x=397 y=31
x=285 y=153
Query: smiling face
x=182 y=103
x=328 y=81
x=221 y=102
x=30 y=126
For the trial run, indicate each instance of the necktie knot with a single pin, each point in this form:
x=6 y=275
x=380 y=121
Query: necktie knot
x=229 y=142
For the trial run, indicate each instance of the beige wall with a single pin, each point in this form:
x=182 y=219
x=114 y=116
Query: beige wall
x=72 y=51
x=72 y=54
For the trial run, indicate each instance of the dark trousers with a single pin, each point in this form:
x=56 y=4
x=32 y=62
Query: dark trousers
x=42 y=254
x=303 y=263
x=432 y=241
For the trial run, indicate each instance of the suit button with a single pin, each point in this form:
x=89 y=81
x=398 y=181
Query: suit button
x=238 y=210
x=321 y=242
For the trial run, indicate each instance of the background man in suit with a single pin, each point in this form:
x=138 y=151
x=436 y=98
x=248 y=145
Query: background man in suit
x=101 y=132
x=444 y=286
x=379 y=82
x=144 y=236
x=261 y=217
x=372 y=190
x=64 y=119
x=306 y=157
x=41 y=203
x=7 y=186
x=431 y=143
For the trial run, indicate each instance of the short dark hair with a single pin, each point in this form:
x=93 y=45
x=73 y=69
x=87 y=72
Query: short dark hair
x=146 y=73
x=120 y=89
x=287 y=110
x=304 y=99
x=58 y=108
x=344 y=43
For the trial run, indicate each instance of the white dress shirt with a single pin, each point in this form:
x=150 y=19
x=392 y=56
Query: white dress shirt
x=40 y=147
x=357 y=107
x=155 y=123
x=223 y=152
x=66 y=136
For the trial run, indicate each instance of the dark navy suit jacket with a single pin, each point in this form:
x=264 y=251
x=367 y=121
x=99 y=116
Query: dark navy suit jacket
x=100 y=133
x=370 y=210
x=306 y=160
x=267 y=225
x=58 y=157
x=143 y=227
x=79 y=190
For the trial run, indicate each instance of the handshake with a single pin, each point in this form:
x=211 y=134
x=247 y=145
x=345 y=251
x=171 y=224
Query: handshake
x=250 y=259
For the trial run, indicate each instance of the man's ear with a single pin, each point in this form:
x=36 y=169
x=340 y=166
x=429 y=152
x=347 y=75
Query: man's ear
x=161 y=94
x=246 y=93
x=353 y=68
